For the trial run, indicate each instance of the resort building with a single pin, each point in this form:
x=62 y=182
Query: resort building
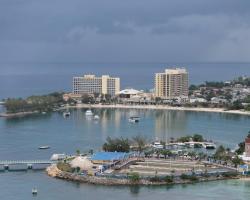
x=135 y=96
x=171 y=84
x=90 y=84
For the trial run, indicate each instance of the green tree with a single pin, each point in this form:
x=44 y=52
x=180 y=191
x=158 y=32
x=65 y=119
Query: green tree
x=198 y=138
x=78 y=152
x=116 y=144
x=140 y=142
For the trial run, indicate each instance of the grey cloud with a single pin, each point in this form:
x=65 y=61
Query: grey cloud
x=141 y=30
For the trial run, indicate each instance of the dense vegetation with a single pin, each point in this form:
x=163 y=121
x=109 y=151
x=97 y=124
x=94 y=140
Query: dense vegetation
x=43 y=103
x=116 y=144
x=195 y=138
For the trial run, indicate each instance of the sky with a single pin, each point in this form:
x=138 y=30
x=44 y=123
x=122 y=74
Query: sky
x=124 y=30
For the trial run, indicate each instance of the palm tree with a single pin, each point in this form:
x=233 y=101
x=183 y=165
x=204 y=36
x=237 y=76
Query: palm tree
x=140 y=142
x=78 y=152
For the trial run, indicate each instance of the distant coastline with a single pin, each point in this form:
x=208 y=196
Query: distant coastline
x=145 y=107
x=19 y=114
x=160 y=107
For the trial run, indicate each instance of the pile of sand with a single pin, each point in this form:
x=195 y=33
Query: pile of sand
x=83 y=162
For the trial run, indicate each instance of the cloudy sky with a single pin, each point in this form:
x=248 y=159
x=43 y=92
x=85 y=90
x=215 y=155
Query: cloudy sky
x=124 y=30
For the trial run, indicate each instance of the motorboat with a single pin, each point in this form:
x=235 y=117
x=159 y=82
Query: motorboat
x=134 y=119
x=66 y=114
x=44 y=147
x=157 y=145
x=96 y=117
x=89 y=113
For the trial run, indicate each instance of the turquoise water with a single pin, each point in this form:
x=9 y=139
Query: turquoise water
x=20 y=139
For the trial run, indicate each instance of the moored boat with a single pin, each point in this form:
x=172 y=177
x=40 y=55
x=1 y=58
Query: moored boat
x=134 y=119
x=66 y=114
x=34 y=191
x=44 y=147
x=89 y=113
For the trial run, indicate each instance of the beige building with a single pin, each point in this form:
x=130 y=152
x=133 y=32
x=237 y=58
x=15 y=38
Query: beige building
x=90 y=84
x=173 y=83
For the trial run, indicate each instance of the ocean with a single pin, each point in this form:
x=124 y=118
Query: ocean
x=21 y=137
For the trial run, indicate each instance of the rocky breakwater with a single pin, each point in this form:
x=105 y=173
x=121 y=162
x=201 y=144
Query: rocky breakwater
x=53 y=171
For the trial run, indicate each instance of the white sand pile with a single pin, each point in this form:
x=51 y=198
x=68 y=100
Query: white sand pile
x=83 y=162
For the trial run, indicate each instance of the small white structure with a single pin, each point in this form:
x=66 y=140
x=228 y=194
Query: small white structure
x=129 y=93
x=56 y=157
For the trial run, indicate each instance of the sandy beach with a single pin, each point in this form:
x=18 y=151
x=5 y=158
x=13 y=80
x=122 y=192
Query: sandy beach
x=161 y=107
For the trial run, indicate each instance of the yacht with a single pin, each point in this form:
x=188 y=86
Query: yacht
x=134 y=119
x=89 y=113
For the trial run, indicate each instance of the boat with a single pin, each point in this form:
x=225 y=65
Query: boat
x=209 y=145
x=96 y=117
x=66 y=114
x=44 y=147
x=89 y=113
x=34 y=191
x=134 y=119
x=157 y=145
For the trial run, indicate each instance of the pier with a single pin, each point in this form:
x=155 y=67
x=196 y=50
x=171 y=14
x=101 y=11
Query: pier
x=19 y=165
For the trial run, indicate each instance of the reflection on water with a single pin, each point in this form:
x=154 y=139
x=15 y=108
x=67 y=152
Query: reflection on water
x=167 y=122
x=78 y=132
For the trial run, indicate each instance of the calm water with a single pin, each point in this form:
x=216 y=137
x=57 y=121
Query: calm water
x=20 y=138
x=19 y=80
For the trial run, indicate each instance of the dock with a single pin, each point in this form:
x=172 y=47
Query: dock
x=20 y=165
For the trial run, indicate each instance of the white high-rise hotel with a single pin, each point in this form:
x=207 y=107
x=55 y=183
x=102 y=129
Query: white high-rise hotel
x=90 y=84
x=173 y=83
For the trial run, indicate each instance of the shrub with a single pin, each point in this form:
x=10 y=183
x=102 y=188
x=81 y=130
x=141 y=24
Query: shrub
x=169 y=179
x=229 y=174
x=193 y=178
x=64 y=167
x=155 y=179
x=134 y=177
x=184 y=176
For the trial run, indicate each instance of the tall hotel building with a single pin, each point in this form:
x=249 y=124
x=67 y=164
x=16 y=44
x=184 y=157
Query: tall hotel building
x=173 y=83
x=90 y=84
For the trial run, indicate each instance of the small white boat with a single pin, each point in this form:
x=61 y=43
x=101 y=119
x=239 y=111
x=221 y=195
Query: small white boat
x=34 y=191
x=134 y=119
x=89 y=113
x=44 y=113
x=66 y=114
x=96 y=117
x=157 y=145
x=44 y=147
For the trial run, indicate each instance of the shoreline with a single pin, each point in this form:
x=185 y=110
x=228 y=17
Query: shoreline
x=54 y=172
x=19 y=114
x=139 y=107
x=160 y=107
